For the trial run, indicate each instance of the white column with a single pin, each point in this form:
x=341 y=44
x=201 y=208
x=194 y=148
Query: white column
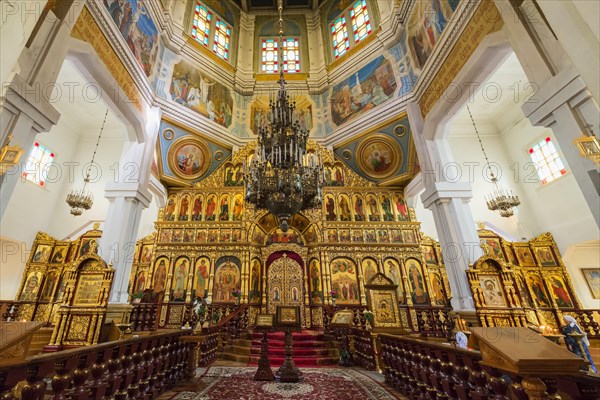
x=244 y=75
x=448 y=202
x=317 y=79
x=128 y=196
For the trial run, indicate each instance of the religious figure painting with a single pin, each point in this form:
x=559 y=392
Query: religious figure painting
x=300 y=222
x=147 y=252
x=140 y=282
x=396 y=235
x=316 y=287
x=344 y=281
x=180 y=275
x=359 y=208
x=357 y=236
x=254 y=293
x=31 y=287
x=425 y=26
x=510 y=255
x=225 y=236
x=414 y=272
x=373 y=208
x=545 y=256
x=592 y=278
x=429 y=254
x=559 y=291
x=408 y=236
x=159 y=277
x=236 y=235
x=278 y=236
x=494 y=247
x=188 y=158
x=238 y=207
x=259 y=113
x=202 y=94
x=538 y=290
x=258 y=236
x=201 y=236
x=135 y=23
x=492 y=290
x=60 y=254
x=211 y=208
x=233 y=175
x=386 y=206
x=392 y=271
x=370 y=236
x=383 y=236
x=332 y=235
x=524 y=256
x=367 y=88
x=330 y=213
x=224 y=212
x=213 y=235
x=170 y=209
x=177 y=235
x=200 y=283
x=48 y=288
x=197 y=208
x=401 y=208
x=188 y=235
x=184 y=208
x=379 y=157
x=384 y=309
x=165 y=235
x=369 y=269
x=42 y=252
x=88 y=246
x=268 y=222
x=311 y=235
x=344 y=235
x=344 y=208
x=437 y=287
x=227 y=278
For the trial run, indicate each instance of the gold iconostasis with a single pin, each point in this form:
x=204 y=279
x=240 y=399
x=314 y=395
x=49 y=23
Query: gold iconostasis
x=208 y=242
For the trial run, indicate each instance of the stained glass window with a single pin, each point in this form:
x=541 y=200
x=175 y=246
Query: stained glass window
x=361 y=26
x=339 y=34
x=222 y=37
x=201 y=27
x=40 y=159
x=270 y=56
x=549 y=164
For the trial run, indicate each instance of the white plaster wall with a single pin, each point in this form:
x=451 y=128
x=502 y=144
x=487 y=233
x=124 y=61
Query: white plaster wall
x=17 y=20
x=14 y=255
x=149 y=216
x=557 y=207
x=577 y=257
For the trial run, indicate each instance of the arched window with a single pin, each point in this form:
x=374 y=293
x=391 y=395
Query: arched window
x=212 y=31
x=358 y=15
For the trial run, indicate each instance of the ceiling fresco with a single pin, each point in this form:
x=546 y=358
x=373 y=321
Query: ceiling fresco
x=185 y=157
x=384 y=155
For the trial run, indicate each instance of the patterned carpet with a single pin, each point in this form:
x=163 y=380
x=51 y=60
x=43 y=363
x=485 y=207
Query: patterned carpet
x=220 y=383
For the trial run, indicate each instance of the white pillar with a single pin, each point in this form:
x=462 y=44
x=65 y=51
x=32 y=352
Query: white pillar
x=448 y=202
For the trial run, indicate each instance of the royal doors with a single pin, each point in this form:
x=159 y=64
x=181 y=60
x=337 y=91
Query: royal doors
x=284 y=284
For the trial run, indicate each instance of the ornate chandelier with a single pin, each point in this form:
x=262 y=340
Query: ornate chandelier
x=500 y=200
x=80 y=200
x=283 y=177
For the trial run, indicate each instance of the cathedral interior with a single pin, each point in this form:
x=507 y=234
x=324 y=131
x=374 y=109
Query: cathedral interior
x=387 y=199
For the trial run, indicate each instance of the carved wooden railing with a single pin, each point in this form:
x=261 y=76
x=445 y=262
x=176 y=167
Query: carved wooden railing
x=429 y=370
x=139 y=368
x=144 y=317
x=233 y=323
x=365 y=352
x=432 y=321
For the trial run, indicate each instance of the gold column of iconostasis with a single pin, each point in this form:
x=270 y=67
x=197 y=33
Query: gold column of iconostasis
x=209 y=242
x=66 y=285
x=521 y=283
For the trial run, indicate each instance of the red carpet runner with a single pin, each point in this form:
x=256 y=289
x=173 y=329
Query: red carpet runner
x=227 y=383
x=310 y=349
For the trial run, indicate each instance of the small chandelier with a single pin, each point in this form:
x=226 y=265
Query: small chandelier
x=500 y=200
x=80 y=200
x=282 y=177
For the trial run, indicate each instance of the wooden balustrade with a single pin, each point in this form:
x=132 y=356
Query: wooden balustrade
x=9 y=310
x=144 y=317
x=364 y=353
x=436 y=371
x=139 y=368
x=433 y=321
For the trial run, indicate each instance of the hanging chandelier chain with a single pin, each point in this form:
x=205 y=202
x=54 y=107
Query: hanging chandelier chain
x=487 y=161
x=87 y=177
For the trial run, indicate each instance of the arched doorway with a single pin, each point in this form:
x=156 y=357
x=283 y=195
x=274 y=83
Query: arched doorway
x=285 y=282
